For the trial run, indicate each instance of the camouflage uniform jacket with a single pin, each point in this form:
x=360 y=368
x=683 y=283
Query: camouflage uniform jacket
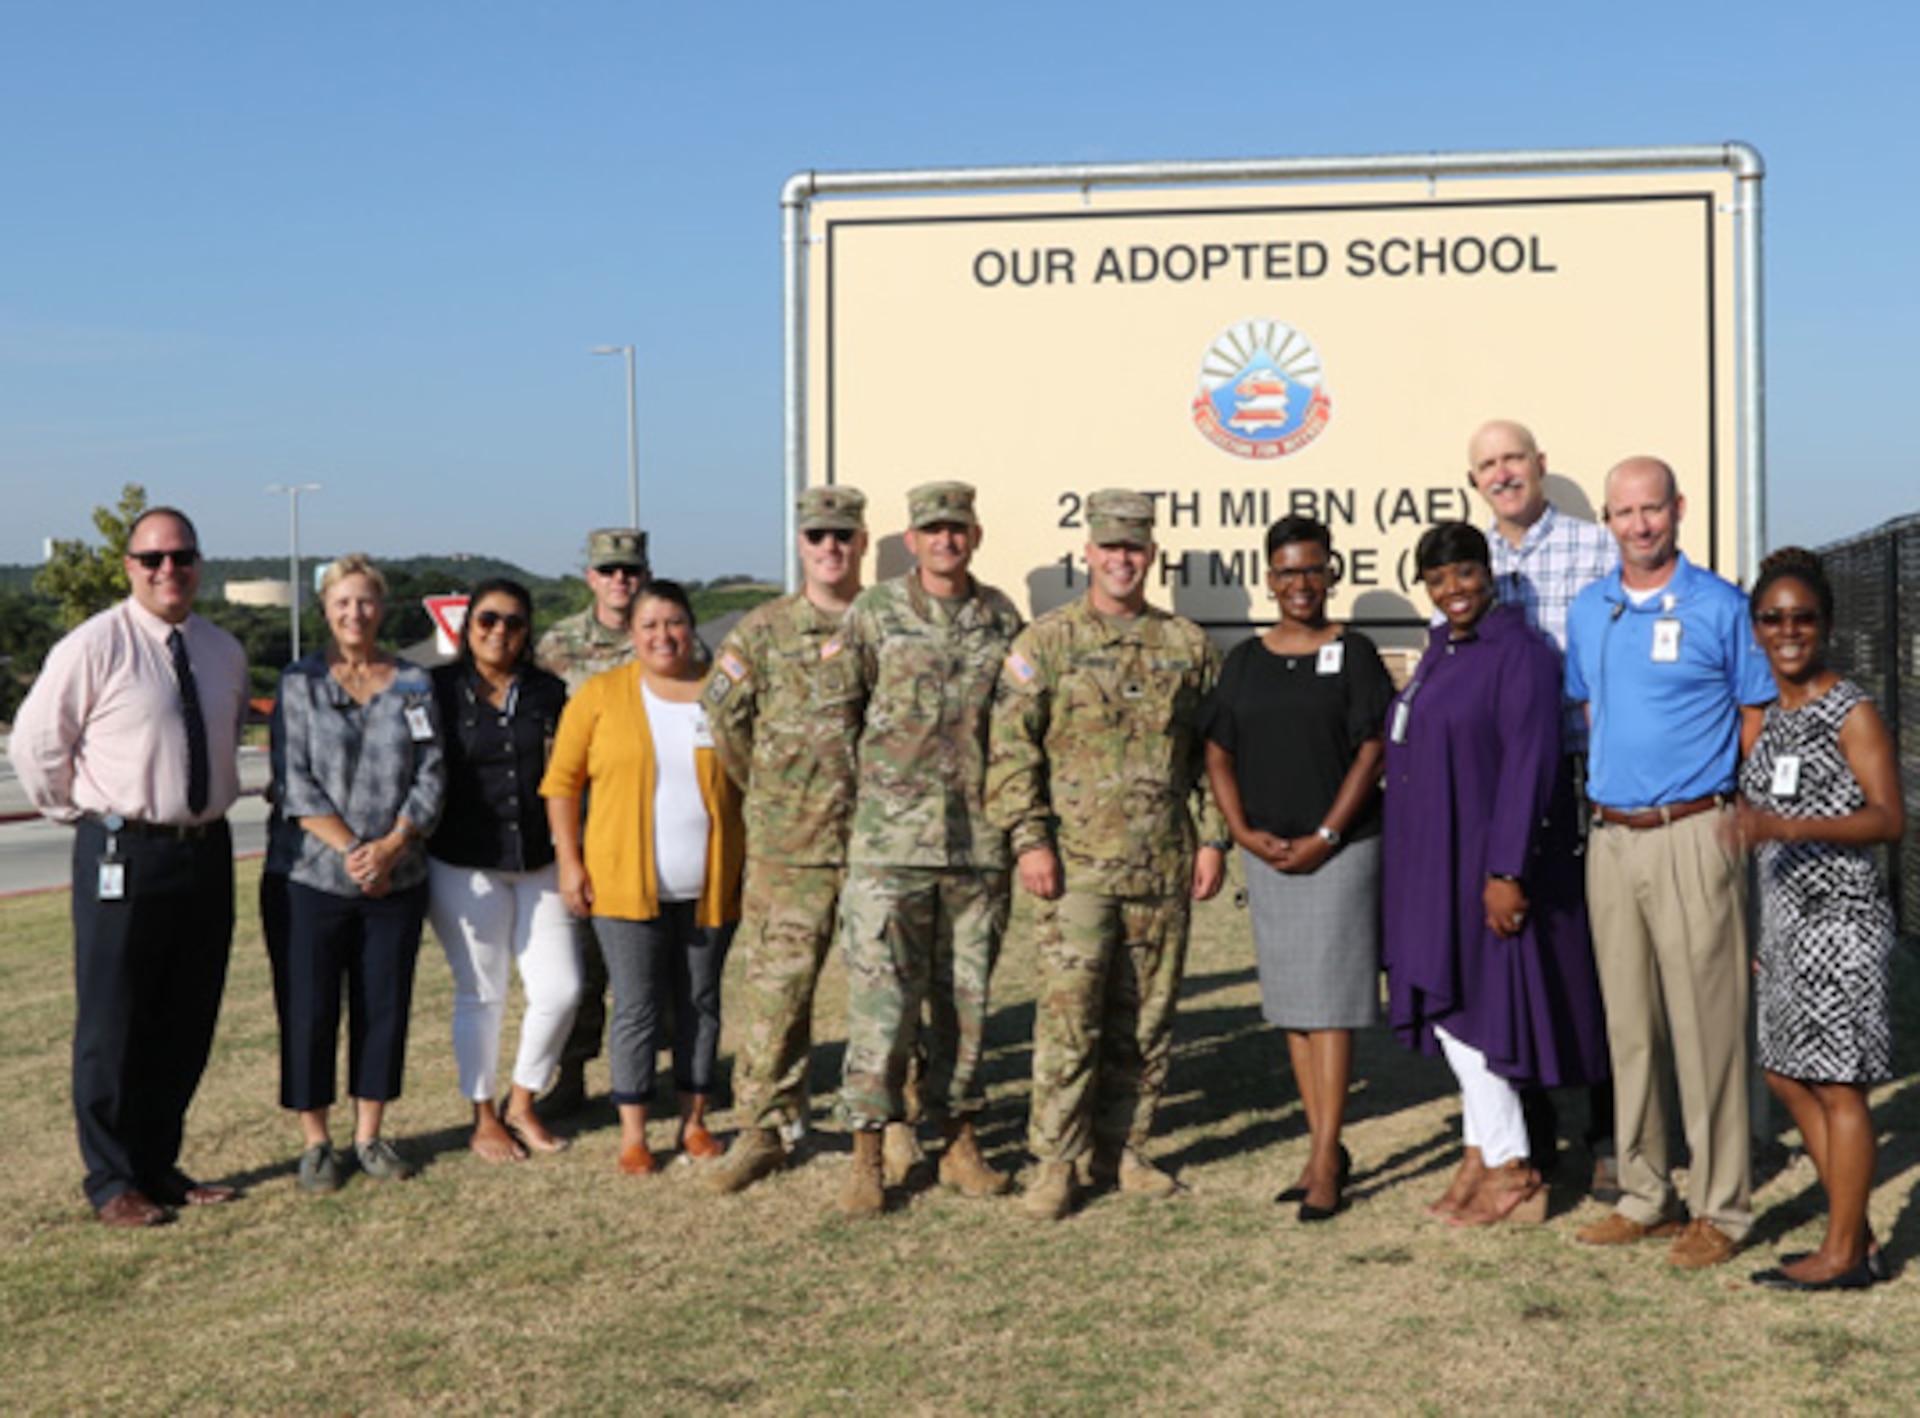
x=580 y=647
x=926 y=677
x=1097 y=748
x=783 y=702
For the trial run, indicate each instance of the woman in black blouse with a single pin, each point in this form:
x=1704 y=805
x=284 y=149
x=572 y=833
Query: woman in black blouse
x=494 y=890
x=1294 y=754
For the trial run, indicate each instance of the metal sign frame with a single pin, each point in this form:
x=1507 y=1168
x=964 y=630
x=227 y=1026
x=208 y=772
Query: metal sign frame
x=1741 y=159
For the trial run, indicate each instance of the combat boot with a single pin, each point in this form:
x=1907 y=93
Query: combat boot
x=901 y=1153
x=1050 y=1195
x=1139 y=1177
x=756 y=1153
x=863 y=1193
x=964 y=1169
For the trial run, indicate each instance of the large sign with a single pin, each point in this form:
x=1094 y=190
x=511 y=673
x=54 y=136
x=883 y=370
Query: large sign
x=1240 y=353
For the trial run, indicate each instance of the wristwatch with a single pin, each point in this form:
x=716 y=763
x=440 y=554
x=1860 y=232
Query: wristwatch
x=1327 y=834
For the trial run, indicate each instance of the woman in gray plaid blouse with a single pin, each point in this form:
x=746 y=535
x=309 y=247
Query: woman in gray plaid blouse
x=363 y=777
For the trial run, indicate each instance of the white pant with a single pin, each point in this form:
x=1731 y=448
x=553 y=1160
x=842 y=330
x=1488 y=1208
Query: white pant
x=1491 y=1116
x=484 y=920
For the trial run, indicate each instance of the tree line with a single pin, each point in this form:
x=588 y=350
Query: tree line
x=81 y=578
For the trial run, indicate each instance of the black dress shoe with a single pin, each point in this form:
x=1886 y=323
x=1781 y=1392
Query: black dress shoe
x=1309 y=1213
x=182 y=1190
x=1859 y=1278
x=1293 y=1194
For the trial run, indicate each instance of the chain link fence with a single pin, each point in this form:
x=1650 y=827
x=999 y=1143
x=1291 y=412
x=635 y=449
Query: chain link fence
x=1876 y=642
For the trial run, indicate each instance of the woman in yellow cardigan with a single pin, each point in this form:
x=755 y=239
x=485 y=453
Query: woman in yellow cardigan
x=660 y=872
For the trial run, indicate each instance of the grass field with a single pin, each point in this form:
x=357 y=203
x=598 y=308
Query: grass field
x=558 y=1285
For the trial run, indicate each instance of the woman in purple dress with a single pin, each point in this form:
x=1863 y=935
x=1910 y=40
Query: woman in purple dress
x=1484 y=935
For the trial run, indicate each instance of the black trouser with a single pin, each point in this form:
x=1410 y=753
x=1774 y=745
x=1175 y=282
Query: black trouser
x=149 y=970
x=369 y=945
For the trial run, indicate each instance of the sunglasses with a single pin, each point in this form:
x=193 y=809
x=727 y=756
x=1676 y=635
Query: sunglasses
x=817 y=535
x=1799 y=620
x=632 y=573
x=183 y=558
x=487 y=620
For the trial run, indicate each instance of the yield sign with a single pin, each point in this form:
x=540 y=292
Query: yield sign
x=449 y=615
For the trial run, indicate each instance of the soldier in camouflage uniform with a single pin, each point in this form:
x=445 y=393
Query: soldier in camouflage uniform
x=782 y=702
x=1097 y=764
x=926 y=896
x=578 y=648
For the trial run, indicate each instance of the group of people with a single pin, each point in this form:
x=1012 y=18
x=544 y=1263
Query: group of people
x=1538 y=837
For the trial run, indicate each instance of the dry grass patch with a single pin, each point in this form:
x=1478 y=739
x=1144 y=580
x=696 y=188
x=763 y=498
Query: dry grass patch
x=558 y=1284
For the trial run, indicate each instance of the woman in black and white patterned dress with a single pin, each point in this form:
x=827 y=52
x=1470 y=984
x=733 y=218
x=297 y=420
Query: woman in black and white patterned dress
x=1821 y=787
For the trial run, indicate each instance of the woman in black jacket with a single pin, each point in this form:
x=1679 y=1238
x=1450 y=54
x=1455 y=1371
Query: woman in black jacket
x=494 y=890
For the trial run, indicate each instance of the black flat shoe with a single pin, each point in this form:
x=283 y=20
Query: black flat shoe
x=1876 y=1264
x=1859 y=1278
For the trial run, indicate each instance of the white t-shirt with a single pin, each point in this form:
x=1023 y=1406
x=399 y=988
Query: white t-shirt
x=681 y=822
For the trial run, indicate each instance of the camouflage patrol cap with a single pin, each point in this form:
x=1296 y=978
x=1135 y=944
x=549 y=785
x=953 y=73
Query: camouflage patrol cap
x=940 y=502
x=832 y=509
x=617 y=546
x=1117 y=517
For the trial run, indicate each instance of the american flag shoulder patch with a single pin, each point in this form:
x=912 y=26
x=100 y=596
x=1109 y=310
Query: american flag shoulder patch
x=1020 y=667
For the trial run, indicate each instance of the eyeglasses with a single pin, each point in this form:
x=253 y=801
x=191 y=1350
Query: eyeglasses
x=632 y=573
x=183 y=558
x=1286 y=574
x=817 y=535
x=487 y=620
x=1798 y=619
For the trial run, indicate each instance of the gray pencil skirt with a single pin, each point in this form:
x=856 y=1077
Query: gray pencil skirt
x=1316 y=939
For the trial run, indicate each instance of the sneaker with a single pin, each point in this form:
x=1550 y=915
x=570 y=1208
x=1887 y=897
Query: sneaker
x=320 y=1169
x=380 y=1160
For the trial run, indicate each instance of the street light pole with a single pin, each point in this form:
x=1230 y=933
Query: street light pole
x=633 y=431
x=293 y=492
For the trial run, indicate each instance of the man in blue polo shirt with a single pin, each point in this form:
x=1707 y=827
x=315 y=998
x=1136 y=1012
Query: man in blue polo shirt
x=1662 y=654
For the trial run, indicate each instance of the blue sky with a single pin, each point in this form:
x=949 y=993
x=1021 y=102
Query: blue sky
x=370 y=245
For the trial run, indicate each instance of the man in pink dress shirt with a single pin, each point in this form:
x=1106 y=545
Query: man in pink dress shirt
x=129 y=734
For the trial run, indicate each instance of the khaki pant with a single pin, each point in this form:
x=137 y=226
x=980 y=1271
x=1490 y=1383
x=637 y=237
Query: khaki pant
x=1669 y=936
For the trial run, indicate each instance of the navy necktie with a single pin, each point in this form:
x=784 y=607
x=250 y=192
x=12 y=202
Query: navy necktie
x=195 y=721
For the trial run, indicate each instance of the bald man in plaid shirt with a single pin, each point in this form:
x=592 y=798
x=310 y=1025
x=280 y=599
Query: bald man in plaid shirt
x=1542 y=559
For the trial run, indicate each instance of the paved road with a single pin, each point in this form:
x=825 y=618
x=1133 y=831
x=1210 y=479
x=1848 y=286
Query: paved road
x=36 y=854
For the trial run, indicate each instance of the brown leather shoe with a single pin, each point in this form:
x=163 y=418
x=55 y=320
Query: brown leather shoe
x=638 y=1161
x=1617 y=1230
x=131 y=1209
x=1702 y=1244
